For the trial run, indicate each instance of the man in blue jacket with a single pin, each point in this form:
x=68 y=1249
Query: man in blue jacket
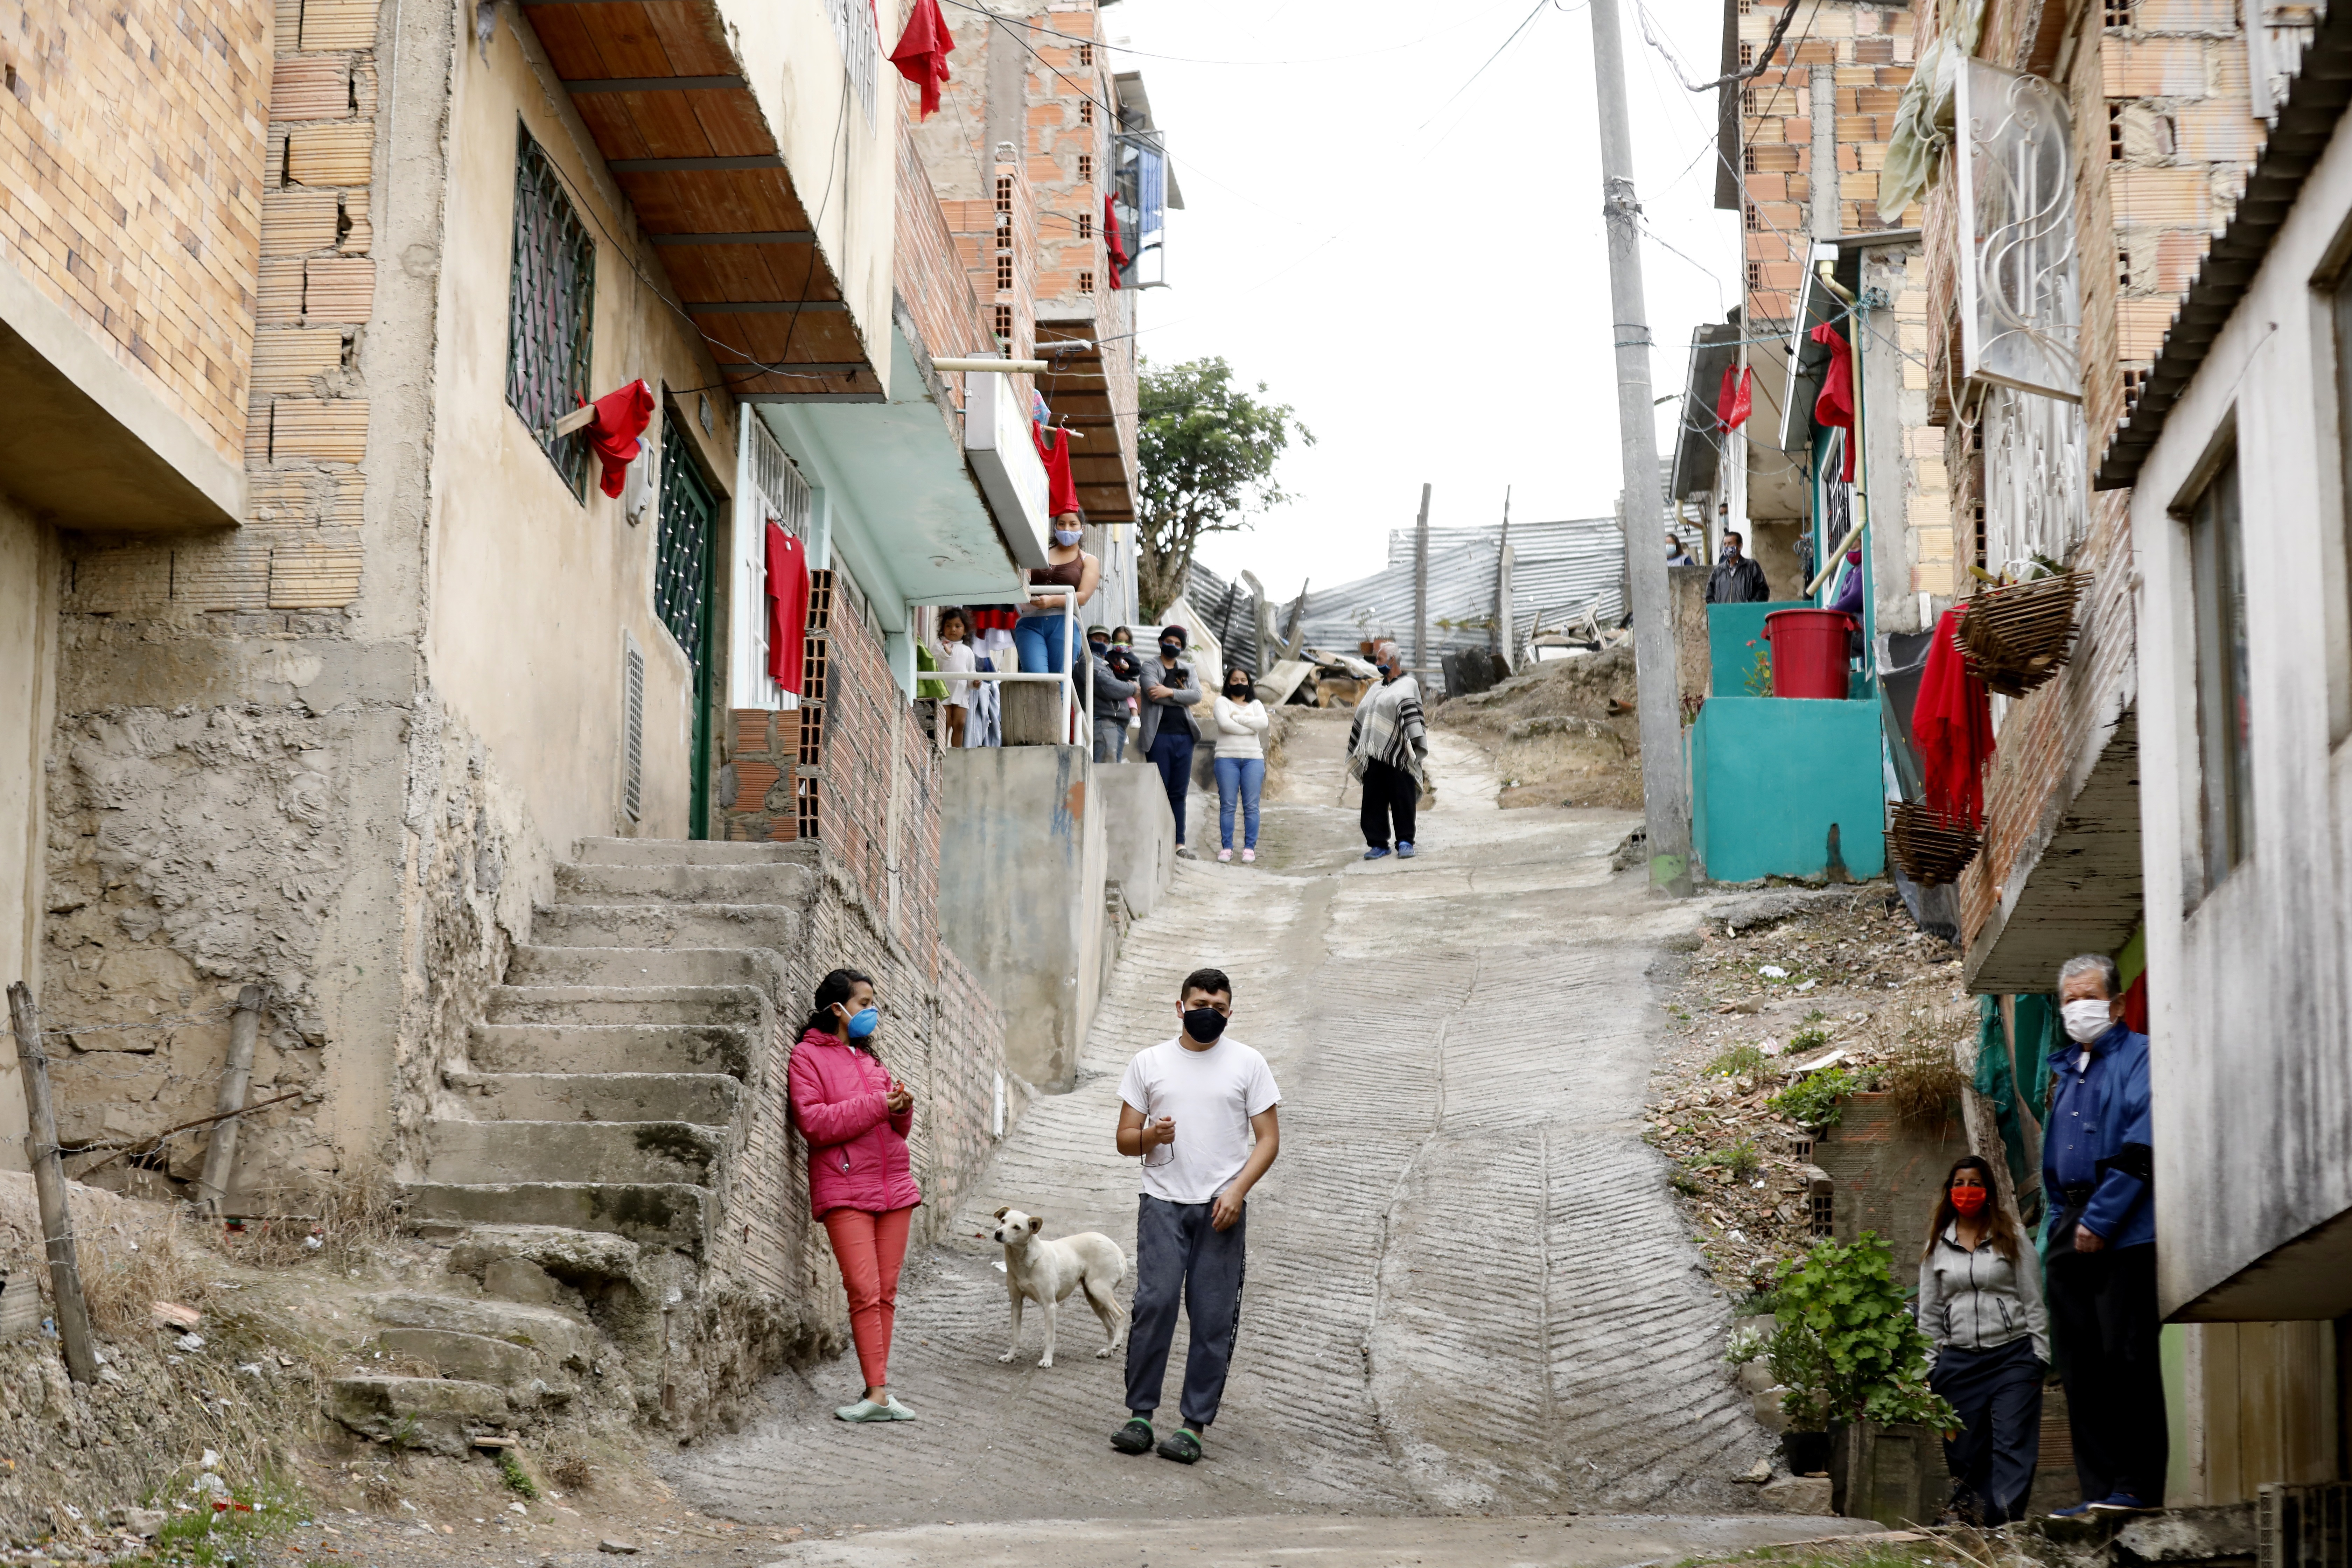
x=2100 y=1241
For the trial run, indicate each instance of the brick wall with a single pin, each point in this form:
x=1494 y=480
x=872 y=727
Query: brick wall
x=132 y=155
x=1070 y=119
x=943 y=271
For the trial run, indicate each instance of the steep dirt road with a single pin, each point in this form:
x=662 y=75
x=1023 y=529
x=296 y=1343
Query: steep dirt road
x=1468 y=1291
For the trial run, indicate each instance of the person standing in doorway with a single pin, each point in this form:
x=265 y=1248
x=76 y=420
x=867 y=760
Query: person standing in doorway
x=1387 y=747
x=1115 y=670
x=1242 y=724
x=2097 y=1165
x=1736 y=579
x=1980 y=1302
x=855 y=1116
x=1199 y=1111
x=1169 y=690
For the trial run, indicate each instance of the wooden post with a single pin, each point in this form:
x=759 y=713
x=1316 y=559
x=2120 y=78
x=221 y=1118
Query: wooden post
x=237 y=1075
x=49 y=1186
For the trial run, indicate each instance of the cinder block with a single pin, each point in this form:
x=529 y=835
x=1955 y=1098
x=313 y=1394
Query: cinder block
x=295 y=221
x=331 y=155
x=341 y=290
x=311 y=88
x=338 y=24
x=286 y=361
x=322 y=431
x=2153 y=68
x=315 y=573
x=2217 y=132
x=2170 y=197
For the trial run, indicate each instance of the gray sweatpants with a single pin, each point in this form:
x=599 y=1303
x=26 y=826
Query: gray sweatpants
x=1110 y=740
x=1179 y=1253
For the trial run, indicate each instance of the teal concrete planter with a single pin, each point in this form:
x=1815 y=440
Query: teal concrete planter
x=1787 y=787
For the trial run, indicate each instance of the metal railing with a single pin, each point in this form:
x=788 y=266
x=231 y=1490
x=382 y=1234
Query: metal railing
x=1067 y=678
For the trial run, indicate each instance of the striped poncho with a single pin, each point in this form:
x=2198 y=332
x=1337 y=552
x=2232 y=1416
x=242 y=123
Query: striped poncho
x=1390 y=729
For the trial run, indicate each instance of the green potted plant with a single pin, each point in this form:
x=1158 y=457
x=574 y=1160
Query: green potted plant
x=1855 y=1363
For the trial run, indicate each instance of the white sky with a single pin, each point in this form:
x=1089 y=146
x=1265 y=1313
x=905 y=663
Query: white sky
x=1425 y=282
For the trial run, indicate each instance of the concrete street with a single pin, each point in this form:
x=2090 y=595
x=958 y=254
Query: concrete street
x=1468 y=1294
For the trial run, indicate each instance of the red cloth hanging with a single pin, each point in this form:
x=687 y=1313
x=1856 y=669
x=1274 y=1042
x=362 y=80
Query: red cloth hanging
x=1834 y=407
x=1736 y=400
x=621 y=417
x=2135 y=1003
x=1053 y=447
x=922 y=53
x=1951 y=725
x=788 y=596
x=1120 y=259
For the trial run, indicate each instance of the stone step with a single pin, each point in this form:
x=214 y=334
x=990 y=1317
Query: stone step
x=690 y=852
x=659 y=1049
x=656 y=1213
x=540 y=964
x=473 y=1357
x=622 y=1152
x=759 y=882
x=739 y=1004
x=437 y=1415
x=561 y=1340
x=777 y=927
x=709 y=1099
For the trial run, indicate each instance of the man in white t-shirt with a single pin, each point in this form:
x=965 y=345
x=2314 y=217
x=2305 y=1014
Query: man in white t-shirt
x=1200 y=1110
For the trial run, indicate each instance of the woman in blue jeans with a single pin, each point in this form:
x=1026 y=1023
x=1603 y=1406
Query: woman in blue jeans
x=1242 y=724
x=1037 y=635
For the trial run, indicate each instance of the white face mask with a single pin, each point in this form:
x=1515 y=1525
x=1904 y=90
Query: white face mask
x=2085 y=1021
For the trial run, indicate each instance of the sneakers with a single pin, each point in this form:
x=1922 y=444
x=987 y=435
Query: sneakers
x=1184 y=852
x=1182 y=1445
x=1224 y=854
x=1134 y=1437
x=1249 y=857
x=2080 y=1510
x=1404 y=851
x=2121 y=1502
x=1376 y=852
x=889 y=1409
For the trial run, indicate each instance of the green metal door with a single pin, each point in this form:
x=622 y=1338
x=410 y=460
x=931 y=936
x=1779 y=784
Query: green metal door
x=685 y=575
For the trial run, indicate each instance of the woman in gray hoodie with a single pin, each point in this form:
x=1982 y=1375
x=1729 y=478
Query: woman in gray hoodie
x=1980 y=1302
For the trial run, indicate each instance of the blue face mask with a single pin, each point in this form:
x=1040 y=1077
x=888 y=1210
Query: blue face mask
x=1067 y=536
x=863 y=1022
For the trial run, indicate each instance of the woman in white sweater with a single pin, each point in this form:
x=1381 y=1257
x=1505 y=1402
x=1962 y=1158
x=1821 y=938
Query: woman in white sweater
x=1242 y=724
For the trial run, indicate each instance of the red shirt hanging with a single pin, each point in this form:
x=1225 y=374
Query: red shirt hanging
x=621 y=417
x=922 y=53
x=1951 y=724
x=1053 y=447
x=1733 y=403
x=1834 y=407
x=1120 y=259
x=788 y=593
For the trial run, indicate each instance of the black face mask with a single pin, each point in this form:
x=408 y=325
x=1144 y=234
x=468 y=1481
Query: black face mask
x=1170 y=649
x=1204 y=1023
x=1099 y=649
x=1238 y=693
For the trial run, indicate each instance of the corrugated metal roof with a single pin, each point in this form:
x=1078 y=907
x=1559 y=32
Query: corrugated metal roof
x=1557 y=568
x=1230 y=612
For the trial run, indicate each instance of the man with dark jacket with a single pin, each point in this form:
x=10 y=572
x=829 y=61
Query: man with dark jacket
x=1736 y=580
x=2100 y=1240
x=1114 y=672
x=1170 y=690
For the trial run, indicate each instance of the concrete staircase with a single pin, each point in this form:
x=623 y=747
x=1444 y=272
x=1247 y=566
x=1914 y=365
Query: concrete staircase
x=575 y=1170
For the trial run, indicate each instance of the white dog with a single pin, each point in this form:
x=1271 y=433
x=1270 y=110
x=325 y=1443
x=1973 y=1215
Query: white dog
x=1047 y=1272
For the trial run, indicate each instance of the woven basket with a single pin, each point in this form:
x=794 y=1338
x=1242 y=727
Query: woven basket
x=1931 y=849
x=2015 y=638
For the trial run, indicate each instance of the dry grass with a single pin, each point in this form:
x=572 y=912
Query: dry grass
x=351 y=1216
x=130 y=1254
x=571 y=1472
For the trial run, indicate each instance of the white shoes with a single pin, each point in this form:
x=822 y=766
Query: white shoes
x=866 y=1410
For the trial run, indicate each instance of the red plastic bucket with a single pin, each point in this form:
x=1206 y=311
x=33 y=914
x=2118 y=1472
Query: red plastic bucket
x=1809 y=652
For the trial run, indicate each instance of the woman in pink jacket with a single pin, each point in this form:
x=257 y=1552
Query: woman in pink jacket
x=854 y=1116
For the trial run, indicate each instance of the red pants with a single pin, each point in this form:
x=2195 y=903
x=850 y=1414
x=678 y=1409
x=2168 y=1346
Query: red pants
x=870 y=1247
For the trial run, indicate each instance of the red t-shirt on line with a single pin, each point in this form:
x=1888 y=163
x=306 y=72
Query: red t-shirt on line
x=788 y=592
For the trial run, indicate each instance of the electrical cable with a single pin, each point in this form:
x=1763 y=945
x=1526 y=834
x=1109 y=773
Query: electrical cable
x=1194 y=60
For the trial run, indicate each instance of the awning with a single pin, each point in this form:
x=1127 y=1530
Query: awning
x=1081 y=400
x=1698 y=443
x=685 y=137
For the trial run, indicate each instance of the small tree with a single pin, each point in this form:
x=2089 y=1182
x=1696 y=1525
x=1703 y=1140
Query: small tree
x=1846 y=1347
x=1207 y=449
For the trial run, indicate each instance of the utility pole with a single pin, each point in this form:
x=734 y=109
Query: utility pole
x=49 y=1187
x=1665 y=798
x=1421 y=590
x=1499 y=626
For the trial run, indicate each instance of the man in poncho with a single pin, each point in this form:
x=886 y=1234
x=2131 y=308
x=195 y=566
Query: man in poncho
x=1387 y=747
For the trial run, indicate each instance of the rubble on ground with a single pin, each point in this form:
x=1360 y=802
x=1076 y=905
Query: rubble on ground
x=1563 y=731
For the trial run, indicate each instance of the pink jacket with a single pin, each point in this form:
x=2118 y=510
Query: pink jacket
x=858 y=1149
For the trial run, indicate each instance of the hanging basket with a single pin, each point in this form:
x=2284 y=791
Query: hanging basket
x=2015 y=638
x=1932 y=848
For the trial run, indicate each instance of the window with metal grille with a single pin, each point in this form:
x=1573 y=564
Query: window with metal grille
x=1004 y=325
x=1825 y=1213
x=633 y=727
x=551 y=308
x=1085 y=111
x=682 y=555
x=861 y=48
x=1085 y=225
x=1086 y=282
x=1003 y=272
x=1085 y=166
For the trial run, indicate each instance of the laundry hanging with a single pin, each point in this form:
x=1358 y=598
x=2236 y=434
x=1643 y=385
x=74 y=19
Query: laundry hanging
x=1952 y=723
x=1053 y=448
x=1120 y=259
x=1733 y=403
x=1834 y=407
x=788 y=597
x=621 y=417
x=922 y=53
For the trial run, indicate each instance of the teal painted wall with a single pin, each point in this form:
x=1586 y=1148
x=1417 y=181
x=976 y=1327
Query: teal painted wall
x=1729 y=629
x=1770 y=776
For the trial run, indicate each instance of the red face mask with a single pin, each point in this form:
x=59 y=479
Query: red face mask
x=1969 y=1200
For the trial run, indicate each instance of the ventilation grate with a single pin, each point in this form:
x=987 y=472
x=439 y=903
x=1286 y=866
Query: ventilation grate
x=632 y=728
x=2303 y=1526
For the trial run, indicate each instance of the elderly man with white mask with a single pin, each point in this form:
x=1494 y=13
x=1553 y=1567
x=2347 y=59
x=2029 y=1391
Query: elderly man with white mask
x=2100 y=1240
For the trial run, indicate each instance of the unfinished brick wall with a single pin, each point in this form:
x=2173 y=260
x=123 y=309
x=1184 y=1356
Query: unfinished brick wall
x=1071 y=112
x=131 y=156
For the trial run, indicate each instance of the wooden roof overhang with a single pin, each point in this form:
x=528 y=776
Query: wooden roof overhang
x=1080 y=398
x=687 y=142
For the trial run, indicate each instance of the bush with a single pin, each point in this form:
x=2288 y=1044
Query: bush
x=1738 y=1060
x=1741 y=1160
x=1924 y=1083
x=1817 y=1099
x=1809 y=1039
x=1846 y=1347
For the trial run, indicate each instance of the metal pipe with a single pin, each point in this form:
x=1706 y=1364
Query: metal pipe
x=1005 y=366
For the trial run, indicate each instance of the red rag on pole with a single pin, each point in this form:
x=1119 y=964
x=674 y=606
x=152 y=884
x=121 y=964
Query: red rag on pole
x=1834 y=407
x=788 y=595
x=621 y=417
x=922 y=53
x=1053 y=448
x=1120 y=259
x=1951 y=725
x=1734 y=403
